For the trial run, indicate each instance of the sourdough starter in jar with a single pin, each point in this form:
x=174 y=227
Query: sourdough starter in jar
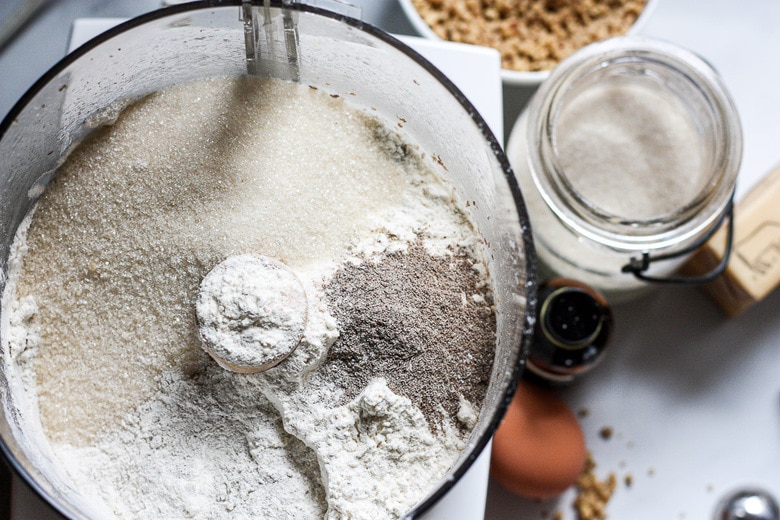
x=379 y=397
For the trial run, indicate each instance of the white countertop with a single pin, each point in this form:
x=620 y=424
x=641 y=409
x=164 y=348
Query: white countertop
x=693 y=398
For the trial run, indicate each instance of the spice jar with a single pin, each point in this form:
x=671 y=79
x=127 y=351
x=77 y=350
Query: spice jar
x=571 y=333
x=627 y=156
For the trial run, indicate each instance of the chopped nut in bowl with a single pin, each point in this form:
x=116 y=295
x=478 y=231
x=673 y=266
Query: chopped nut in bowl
x=531 y=35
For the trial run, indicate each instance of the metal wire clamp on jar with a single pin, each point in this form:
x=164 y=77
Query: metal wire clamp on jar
x=612 y=229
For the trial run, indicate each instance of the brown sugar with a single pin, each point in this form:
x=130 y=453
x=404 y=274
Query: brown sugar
x=531 y=35
x=592 y=493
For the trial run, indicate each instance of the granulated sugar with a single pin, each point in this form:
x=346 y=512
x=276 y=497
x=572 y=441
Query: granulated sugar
x=146 y=207
x=630 y=151
x=103 y=325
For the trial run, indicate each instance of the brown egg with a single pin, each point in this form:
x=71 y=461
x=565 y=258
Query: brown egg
x=539 y=449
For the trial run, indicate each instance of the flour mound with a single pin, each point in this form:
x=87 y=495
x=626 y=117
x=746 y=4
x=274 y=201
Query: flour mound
x=251 y=311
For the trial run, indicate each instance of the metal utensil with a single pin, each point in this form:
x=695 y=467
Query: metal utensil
x=748 y=504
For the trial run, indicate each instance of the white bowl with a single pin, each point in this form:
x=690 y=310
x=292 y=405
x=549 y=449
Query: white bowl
x=511 y=77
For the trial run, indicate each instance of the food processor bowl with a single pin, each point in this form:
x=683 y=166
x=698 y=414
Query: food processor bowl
x=290 y=41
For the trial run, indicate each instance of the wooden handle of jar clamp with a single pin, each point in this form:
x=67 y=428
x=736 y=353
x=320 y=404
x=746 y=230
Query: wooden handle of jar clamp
x=754 y=268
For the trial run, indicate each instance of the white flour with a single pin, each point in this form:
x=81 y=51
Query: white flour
x=373 y=452
x=144 y=422
x=204 y=447
x=251 y=312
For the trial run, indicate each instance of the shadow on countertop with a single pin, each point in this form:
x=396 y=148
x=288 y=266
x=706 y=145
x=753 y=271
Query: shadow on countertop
x=5 y=490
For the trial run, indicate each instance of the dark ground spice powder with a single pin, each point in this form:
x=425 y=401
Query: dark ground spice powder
x=412 y=319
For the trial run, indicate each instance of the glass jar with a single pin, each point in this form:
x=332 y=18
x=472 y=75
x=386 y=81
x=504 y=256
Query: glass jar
x=627 y=153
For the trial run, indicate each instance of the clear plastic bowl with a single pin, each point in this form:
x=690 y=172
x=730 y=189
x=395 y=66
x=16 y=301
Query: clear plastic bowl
x=182 y=43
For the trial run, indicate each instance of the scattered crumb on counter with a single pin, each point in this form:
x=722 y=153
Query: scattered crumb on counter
x=606 y=432
x=650 y=471
x=583 y=412
x=592 y=493
x=628 y=479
